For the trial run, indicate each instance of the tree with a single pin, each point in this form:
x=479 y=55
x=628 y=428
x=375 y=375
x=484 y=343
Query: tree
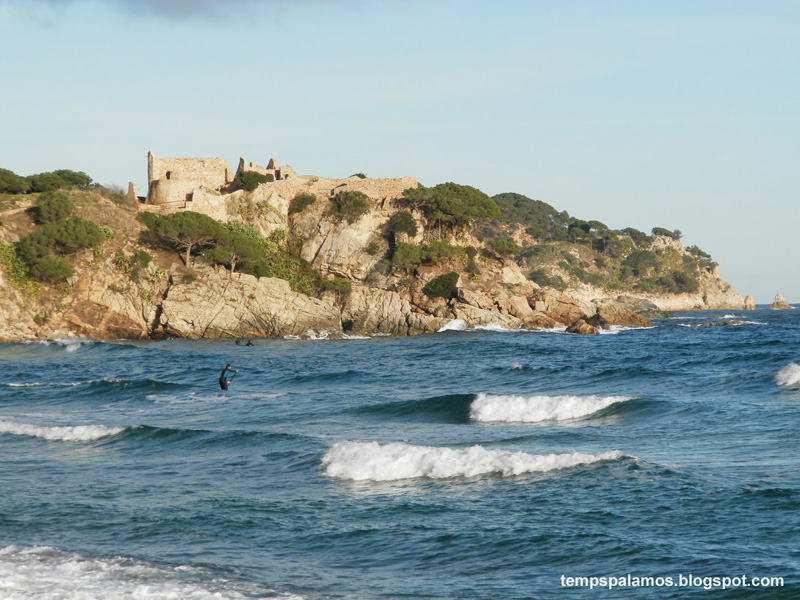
x=249 y=180
x=453 y=204
x=237 y=243
x=184 y=230
x=60 y=179
x=11 y=183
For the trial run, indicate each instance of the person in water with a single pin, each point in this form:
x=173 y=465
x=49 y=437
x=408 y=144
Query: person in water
x=223 y=377
x=249 y=343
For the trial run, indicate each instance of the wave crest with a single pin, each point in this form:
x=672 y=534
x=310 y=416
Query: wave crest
x=77 y=433
x=789 y=376
x=496 y=408
x=370 y=461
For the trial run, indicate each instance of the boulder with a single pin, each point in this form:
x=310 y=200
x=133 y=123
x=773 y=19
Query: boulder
x=582 y=327
x=613 y=314
x=780 y=303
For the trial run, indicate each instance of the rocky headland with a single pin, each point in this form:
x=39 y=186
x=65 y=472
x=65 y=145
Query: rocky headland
x=362 y=288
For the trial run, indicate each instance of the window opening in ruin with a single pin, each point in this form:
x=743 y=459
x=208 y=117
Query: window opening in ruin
x=169 y=174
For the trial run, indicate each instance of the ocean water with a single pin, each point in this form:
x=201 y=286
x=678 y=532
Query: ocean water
x=475 y=464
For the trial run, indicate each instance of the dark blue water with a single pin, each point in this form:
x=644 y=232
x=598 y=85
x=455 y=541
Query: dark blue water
x=463 y=464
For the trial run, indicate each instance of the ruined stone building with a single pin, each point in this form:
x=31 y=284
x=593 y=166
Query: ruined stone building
x=172 y=182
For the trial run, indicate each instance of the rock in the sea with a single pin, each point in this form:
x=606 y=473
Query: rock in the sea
x=582 y=327
x=613 y=314
x=780 y=303
x=749 y=303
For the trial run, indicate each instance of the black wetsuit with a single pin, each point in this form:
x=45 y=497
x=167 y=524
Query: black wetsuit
x=223 y=378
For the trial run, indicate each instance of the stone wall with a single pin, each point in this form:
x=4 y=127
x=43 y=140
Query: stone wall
x=172 y=180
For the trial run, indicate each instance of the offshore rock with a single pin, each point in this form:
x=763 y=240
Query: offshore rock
x=780 y=303
x=582 y=327
x=221 y=305
x=749 y=303
x=613 y=314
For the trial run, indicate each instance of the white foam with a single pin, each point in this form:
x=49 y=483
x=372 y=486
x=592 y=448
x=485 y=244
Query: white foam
x=615 y=329
x=43 y=573
x=77 y=433
x=492 y=327
x=455 y=325
x=370 y=461
x=789 y=376
x=499 y=408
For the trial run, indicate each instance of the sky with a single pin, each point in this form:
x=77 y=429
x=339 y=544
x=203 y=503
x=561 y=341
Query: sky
x=682 y=114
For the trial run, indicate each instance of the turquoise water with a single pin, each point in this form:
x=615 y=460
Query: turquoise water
x=464 y=464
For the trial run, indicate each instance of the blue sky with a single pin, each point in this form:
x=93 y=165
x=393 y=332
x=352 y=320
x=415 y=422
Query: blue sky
x=679 y=114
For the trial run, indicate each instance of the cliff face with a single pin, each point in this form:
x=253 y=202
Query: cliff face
x=103 y=301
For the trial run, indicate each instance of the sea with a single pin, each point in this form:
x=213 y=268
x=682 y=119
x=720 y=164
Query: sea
x=659 y=462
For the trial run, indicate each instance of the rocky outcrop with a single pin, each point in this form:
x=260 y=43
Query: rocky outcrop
x=780 y=303
x=613 y=314
x=243 y=306
x=371 y=310
x=749 y=303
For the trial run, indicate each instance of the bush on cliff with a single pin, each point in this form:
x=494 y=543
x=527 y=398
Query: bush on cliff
x=401 y=222
x=406 y=257
x=443 y=286
x=300 y=202
x=504 y=247
x=349 y=206
x=248 y=180
x=236 y=243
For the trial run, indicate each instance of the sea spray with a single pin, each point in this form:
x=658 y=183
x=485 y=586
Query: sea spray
x=370 y=461
x=77 y=433
x=789 y=376
x=489 y=408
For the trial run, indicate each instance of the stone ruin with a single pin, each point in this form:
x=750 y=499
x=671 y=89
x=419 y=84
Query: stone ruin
x=172 y=182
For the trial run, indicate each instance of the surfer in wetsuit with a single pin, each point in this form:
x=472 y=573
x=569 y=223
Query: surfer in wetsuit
x=223 y=377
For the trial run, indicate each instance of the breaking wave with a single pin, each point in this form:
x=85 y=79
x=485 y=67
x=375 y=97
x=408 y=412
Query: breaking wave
x=42 y=573
x=77 y=433
x=789 y=376
x=497 y=408
x=370 y=461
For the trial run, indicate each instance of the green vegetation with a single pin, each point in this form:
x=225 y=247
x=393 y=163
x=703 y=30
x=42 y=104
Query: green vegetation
x=504 y=247
x=248 y=180
x=443 y=286
x=52 y=207
x=540 y=277
x=349 y=206
x=300 y=202
x=359 y=175
x=451 y=205
x=675 y=235
x=401 y=222
x=236 y=243
x=183 y=231
x=11 y=183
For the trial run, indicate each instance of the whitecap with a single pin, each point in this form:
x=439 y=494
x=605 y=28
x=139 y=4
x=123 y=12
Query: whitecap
x=615 y=329
x=499 y=408
x=76 y=433
x=789 y=376
x=43 y=573
x=370 y=461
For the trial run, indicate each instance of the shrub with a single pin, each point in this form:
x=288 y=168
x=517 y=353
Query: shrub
x=540 y=277
x=407 y=257
x=437 y=252
x=349 y=206
x=504 y=246
x=300 y=202
x=52 y=207
x=249 y=180
x=51 y=269
x=338 y=284
x=443 y=286
x=359 y=175
x=401 y=222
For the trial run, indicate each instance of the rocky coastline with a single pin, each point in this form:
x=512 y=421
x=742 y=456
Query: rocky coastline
x=101 y=301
